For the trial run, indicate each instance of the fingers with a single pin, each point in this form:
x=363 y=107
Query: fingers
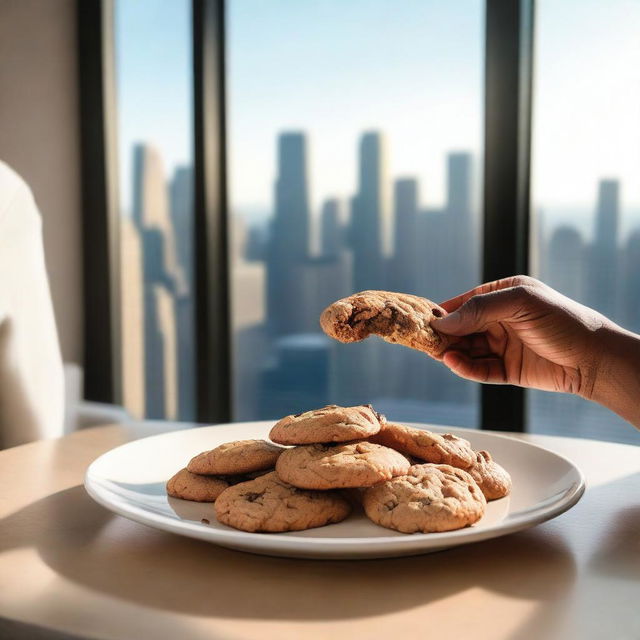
x=482 y=309
x=490 y=370
x=453 y=303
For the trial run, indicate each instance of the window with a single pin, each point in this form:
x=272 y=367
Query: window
x=586 y=192
x=354 y=149
x=153 y=53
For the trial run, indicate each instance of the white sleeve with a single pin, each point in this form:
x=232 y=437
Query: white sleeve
x=31 y=377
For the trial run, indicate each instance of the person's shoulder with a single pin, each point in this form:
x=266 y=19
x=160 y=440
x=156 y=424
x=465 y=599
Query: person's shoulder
x=15 y=193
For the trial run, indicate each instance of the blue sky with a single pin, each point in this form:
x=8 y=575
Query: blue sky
x=412 y=68
x=587 y=107
x=153 y=81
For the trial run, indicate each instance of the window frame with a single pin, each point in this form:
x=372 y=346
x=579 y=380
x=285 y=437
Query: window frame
x=99 y=198
x=509 y=30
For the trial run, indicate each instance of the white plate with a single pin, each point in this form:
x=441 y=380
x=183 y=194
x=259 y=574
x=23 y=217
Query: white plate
x=130 y=480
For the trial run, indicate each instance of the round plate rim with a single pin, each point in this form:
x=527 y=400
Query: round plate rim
x=276 y=542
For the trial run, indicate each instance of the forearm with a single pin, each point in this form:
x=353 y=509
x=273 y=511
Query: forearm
x=617 y=380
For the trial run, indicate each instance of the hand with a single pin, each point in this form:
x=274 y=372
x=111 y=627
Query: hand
x=520 y=331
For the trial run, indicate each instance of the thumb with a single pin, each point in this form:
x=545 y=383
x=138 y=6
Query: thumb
x=483 y=309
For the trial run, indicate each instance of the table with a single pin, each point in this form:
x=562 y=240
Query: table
x=71 y=569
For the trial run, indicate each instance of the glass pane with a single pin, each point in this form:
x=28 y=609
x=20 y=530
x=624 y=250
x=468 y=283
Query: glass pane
x=154 y=104
x=354 y=148
x=586 y=191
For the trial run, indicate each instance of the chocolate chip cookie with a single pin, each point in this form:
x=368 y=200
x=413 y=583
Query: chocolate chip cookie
x=329 y=424
x=357 y=464
x=428 y=446
x=268 y=504
x=493 y=480
x=395 y=317
x=191 y=486
x=241 y=456
x=428 y=498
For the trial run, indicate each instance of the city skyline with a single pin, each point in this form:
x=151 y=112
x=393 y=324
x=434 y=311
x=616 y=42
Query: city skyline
x=282 y=362
x=157 y=288
x=414 y=71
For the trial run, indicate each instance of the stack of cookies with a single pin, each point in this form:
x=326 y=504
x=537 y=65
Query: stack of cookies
x=407 y=479
x=249 y=495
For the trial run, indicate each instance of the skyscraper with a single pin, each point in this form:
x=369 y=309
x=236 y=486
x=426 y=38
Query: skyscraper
x=297 y=377
x=160 y=279
x=538 y=253
x=181 y=214
x=631 y=282
x=332 y=229
x=370 y=230
x=132 y=319
x=461 y=229
x=181 y=209
x=459 y=184
x=603 y=277
x=291 y=222
x=405 y=255
x=289 y=238
x=566 y=262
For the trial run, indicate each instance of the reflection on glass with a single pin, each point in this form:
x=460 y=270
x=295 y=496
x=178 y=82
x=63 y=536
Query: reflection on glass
x=586 y=192
x=153 y=49
x=324 y=205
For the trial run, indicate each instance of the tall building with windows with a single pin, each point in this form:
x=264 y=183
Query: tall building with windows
x=603 y=263
x=566 y=262
x=461 y=228
x=404 y=276
x=161 y=280
x=332 y=229
x=289 y=237
x=181 y=212
x=370 y=230
x=631 y=282
x=132 y=319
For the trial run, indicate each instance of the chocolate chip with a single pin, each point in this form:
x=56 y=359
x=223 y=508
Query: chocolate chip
x=437 y=313
x=204 y=521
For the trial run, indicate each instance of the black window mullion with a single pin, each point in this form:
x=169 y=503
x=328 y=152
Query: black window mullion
x=212 y=330
x=100 y=247
x=507 y=151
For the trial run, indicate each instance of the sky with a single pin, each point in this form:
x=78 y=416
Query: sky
x=587 y=106
x=153 y=83
x=410 y=68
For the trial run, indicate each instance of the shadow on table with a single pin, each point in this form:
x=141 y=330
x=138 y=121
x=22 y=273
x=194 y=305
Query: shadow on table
x=84 y=543
x=607 y=520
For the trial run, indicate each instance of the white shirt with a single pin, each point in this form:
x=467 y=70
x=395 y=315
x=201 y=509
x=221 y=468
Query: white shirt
x=31 y=377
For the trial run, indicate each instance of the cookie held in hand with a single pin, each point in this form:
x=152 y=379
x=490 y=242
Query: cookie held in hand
x=395 y=317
